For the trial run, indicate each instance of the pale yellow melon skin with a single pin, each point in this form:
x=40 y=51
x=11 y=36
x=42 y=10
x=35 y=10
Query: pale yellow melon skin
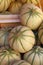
x=4 y=4
x=27 y=42
x=40 y=33
x=8 y=56
x=21 y=62
x=15 y=7
x=35 y=20
x=37 y=59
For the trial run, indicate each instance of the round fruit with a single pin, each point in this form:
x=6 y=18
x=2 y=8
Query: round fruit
x=15 y=7
x=7 y=56
x=21 y=39
x=20 y=62
x=31 y=16
x=40 y=33
x=34 y=56
x=4 y=4
x=3 y=36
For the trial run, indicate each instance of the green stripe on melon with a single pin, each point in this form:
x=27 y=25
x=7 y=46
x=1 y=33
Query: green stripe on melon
x=4 y=32
x=34 y=56
x=8 y=55
x=31 y=16
x=20 y=39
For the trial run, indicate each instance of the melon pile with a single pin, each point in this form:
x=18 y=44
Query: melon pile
x=22 y=44
x=14 y=6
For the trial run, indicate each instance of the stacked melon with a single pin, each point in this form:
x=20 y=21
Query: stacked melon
x=9 y=7
x=31 y=16
x=8 y=55
x=14 y=41
x=14 y=6
x=22 y=44
x=34 y=56
x=19 y=39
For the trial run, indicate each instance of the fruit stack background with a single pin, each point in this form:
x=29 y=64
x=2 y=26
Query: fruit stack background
x=22 y=44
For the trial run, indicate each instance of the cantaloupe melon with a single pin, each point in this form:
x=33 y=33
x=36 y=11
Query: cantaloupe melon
x=21 y=39
x=15 y=7
x=31 y=16
x=3 y=35
x=34 y=56
x=8 y=55
x=4 y=4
